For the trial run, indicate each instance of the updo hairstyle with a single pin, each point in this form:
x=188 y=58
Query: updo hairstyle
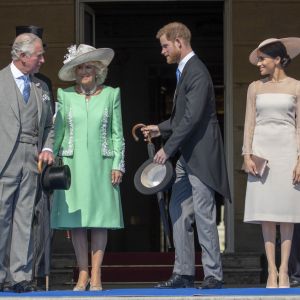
x=277 y=49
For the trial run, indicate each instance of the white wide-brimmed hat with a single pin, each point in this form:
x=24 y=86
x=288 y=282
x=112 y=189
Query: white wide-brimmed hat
x=292 y=45
x=84 y=53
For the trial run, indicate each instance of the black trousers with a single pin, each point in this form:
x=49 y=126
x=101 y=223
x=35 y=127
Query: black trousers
x=294 y=262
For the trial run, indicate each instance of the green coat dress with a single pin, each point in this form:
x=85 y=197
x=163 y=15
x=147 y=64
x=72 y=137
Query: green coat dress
x=89 y=138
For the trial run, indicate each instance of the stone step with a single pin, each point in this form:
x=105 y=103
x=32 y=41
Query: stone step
x=63 y=260
x=147 y=258
x=236 y=260
x=238 y=268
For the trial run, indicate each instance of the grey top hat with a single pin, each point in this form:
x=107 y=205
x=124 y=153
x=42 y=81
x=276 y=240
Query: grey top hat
x=151 y=178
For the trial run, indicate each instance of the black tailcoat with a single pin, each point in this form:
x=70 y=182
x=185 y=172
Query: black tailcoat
x=193 y=128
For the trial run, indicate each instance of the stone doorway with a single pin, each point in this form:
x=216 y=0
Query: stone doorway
x=147 y=84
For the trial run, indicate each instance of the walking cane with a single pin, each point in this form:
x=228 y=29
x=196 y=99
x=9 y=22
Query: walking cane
x=40 y=168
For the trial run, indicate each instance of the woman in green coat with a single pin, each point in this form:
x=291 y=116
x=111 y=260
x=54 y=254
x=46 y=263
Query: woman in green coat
x=89 y=138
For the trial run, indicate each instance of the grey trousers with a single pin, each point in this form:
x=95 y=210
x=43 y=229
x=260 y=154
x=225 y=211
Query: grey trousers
x=193 y=201
x=18 y=186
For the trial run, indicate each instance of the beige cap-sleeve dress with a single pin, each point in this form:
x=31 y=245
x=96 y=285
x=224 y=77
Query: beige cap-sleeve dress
x=272 y=132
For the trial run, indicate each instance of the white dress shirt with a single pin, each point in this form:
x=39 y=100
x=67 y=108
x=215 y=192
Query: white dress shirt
x=184 y=61
x=17 y=74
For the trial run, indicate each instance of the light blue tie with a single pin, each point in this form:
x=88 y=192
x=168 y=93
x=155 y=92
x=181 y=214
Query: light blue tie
x=26 y=91
x=178 y=74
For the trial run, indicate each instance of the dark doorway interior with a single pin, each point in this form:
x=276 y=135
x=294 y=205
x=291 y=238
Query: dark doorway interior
x=147 y=84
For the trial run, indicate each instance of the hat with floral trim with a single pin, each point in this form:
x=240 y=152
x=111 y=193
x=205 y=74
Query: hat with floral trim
x=83 y=54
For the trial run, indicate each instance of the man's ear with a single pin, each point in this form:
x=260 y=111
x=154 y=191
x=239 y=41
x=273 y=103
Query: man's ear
x=178 y=43
x=23 y=56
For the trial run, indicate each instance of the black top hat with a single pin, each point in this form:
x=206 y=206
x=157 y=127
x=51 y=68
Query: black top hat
x=55 y=178
x=38 y=31
x=30 y=29
x=151 y=178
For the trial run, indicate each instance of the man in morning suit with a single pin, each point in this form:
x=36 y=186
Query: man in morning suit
x=39 y=32
x=40 y=266
x=26 y=137
x=193 y=132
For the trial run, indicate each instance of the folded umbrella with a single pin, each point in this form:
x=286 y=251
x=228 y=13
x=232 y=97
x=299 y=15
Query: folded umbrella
x=152 y=178
x=50 y=178
x=42 y=235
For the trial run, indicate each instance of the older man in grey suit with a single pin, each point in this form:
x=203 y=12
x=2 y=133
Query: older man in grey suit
x=193 y=131
x=26 y=137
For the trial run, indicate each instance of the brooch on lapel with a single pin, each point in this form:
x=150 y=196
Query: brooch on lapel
x=45 y=98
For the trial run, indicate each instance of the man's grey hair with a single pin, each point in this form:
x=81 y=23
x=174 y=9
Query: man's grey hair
x=24 y=43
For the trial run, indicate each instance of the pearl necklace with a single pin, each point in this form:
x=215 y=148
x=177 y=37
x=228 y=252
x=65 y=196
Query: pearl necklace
x=90 y=92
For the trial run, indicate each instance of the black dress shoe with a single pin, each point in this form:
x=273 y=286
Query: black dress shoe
x=211 y=283
x=7 y=288
x=177 y=281
x=24 y=286
x=294 y=282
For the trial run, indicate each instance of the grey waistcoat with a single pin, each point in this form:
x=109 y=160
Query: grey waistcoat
x=29 y=118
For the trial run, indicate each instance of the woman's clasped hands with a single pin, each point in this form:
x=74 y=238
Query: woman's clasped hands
x=116 y=177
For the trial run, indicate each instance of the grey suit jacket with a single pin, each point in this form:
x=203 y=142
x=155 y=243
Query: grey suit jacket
x=193 y=128
x=10 y=115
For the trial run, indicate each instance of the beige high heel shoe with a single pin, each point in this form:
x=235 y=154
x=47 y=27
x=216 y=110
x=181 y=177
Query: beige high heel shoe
x=95 y=288
x=95 y=285
x=81 y=288
x=272 y=280
x=284 y=281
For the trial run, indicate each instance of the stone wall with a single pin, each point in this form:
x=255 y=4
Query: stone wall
x=57 y=17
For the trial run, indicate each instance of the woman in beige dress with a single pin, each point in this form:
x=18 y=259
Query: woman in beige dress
x=272 y=131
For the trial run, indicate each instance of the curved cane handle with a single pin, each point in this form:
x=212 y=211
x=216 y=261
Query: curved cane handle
x=40 y=166
x=133 y=131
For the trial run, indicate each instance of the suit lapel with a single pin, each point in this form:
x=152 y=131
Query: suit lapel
x=184 y=71
x=11 y=91
x=38 y=92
